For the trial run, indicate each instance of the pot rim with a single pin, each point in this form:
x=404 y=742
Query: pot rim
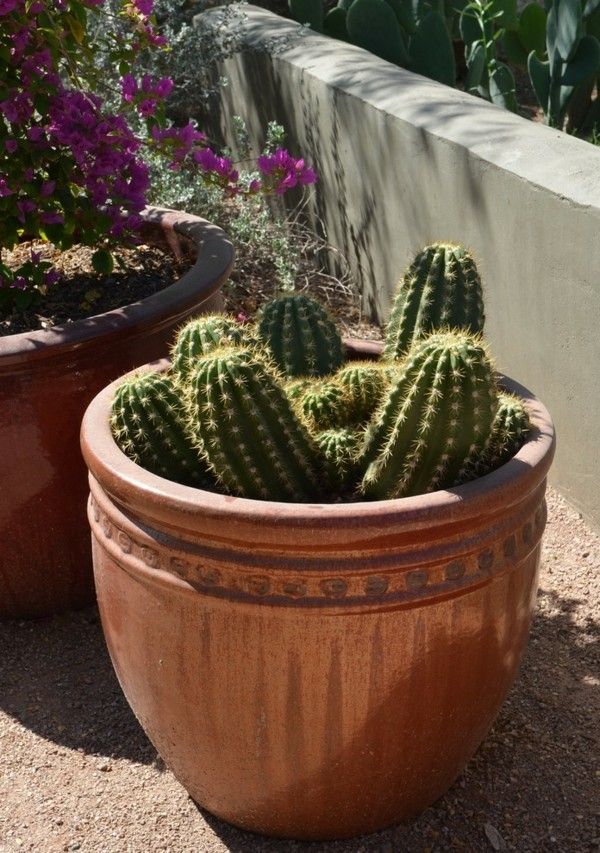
x=169 y=502
x=210 y=270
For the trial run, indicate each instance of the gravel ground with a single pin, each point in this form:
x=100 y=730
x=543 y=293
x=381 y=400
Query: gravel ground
x=77 y=772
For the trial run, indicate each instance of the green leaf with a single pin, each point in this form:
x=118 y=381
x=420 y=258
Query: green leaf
x=102 y=261
x=404 y=14
x=373 y=25
x=308 y=12
x=585 y=62
x=590 y=7
x=539 y=73
x=506 y=11
x=502 y=87
x=475 y=67
x=532 y=29
x=334 y=24
x=592 y=25
x=566 y=19
x=431 y=50
x=470 y=31
x=513 y=48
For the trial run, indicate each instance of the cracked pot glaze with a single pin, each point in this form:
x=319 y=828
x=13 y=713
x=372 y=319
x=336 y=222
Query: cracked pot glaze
x=47 y=378
x=315 y=671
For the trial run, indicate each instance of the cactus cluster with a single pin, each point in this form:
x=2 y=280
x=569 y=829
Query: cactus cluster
x=273 y=412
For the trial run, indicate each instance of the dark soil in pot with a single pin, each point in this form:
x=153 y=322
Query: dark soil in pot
x=139 y=272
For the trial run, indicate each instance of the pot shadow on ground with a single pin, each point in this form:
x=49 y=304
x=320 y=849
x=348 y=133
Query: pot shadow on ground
x=57 y=680
x=533 y=774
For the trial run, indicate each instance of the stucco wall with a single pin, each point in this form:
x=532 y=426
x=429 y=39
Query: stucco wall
x=404 y=161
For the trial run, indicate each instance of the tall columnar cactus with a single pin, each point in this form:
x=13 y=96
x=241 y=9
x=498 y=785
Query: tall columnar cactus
x=435 y=419
x=300 y=336
x=248 y=431
x=324 y=405
x=201 y=336
x=440 y=289
x=149 y=424
x=340 y=448
x=364 y=383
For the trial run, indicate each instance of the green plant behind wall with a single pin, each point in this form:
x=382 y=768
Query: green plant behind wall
x=414 y=34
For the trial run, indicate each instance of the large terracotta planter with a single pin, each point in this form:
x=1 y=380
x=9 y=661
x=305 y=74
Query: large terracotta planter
x=315 y=671
x=47 y=378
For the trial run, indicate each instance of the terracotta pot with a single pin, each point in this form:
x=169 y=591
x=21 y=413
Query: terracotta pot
x=315 y=671
x=47 y=378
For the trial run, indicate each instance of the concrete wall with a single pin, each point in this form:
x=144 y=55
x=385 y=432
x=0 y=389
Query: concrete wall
x=404 y=161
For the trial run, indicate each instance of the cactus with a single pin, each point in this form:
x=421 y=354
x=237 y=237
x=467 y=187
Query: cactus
x=481 y=23
x=372 y=24
x=440 y=289
x=201 y=336
x=295 y=388
x=564 y=83
x=308 y=12
x=248 y=431
x=509 y=430
x=324 y=405
x=431 y=50
x=300 y=336
x=528 y=33
x=364 y=383
x=149 y=424
x=339 y=447
x=435 y=419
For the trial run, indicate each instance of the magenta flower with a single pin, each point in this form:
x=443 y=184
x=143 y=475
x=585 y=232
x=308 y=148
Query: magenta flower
x=284 y=171
x=8 y=6
x=144 y=7
x=129 y=87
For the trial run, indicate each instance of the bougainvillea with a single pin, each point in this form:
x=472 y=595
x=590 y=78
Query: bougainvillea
x=71 y=169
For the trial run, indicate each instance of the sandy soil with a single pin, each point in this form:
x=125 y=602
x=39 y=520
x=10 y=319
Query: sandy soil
x=77 y=772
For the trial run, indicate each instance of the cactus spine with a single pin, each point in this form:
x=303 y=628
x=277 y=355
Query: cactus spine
x=149 y=425
x=248 y=431
x=340 y=447
x=300 y=336
x=364 y=383
x=435 y=419
x=201 y=336
x=509 y=430
x=324 y=405
x=440 y=289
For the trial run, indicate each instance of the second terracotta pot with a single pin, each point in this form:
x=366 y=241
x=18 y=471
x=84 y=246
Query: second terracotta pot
x=315 y=671
x=47 y=378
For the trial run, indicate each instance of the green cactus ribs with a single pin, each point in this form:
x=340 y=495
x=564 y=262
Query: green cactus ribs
x=249 y=433
x=201 y=336
x=324 y=405
x=509 y=430
x=300 y=336
x=364 y=383
x=340 y=448
x=435 y=419
x=149 y=424
x=441 y=289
